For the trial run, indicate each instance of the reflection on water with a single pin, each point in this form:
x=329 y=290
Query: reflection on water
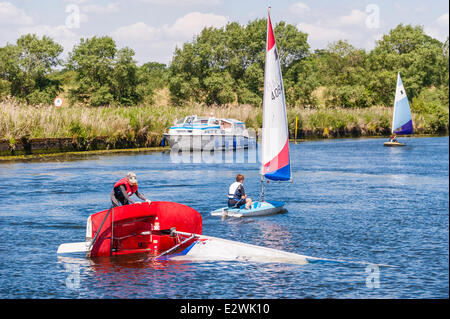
x=351 y=199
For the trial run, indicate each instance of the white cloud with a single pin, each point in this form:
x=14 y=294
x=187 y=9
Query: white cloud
x=183 y=28
x=438 y=29
x=77 y=1
x=60 y=34
x=299 y=8
x=136 y=32
x=356 y=17
x=193 y=23
x=96 y=8
x=443 y=20
x=183 y=2
x=11 y=15
x=158 y=43
x=321 y=34
x=323 y=28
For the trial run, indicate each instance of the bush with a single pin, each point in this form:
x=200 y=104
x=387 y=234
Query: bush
x=429 y=101
x=102 y=96
x=25 y=69
x=219 y=88
x=245 y=96
x=5 y=88
x=104 y=74
x=348 y=96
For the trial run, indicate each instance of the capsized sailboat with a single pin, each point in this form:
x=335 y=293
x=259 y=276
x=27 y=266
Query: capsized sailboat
x=136 y=228
x=402 y=120
x=167 y=230
x=275 y=161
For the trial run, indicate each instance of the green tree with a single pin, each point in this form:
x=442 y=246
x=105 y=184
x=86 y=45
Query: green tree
x=125 y=78
x=104 y=74
x=25 y=69
x=151 y=76
x=219 y=88
x=341 y=68
x=419 y=58
x=233 y=56
x=301 y=80
x=291 y=44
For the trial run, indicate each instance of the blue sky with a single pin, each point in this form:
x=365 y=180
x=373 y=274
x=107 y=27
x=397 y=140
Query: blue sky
x=153 y=28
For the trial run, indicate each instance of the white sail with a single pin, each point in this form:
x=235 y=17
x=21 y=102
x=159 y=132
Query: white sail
x=402 y=120
x=275 y=135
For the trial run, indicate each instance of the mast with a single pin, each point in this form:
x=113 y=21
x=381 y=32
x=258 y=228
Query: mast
x=395 y=102
x=261 y=198
x=402 y=119
x=275 y=157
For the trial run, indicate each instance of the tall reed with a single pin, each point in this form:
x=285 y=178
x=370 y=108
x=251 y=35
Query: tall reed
x=44 y=121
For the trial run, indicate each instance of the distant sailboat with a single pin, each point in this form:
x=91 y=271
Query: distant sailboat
x=402 y=120
x=275 y=163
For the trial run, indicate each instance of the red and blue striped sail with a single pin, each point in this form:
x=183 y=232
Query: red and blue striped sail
x=402 y=120
x=275 y=136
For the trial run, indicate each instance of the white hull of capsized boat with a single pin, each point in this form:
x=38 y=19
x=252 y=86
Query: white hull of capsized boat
x=218 y=249
x=208 y=248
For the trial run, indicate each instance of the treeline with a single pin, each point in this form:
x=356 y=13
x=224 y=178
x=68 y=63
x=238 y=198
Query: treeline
x=224 y=66
x=96 y=73
x=227 y=66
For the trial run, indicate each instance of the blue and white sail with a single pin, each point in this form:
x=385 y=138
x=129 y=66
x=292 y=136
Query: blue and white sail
x=402 y=121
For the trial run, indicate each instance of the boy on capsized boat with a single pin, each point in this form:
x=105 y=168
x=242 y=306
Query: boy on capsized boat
x=236 y=194
x=124 y=188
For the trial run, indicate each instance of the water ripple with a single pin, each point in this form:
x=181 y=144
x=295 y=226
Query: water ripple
x=352 y=199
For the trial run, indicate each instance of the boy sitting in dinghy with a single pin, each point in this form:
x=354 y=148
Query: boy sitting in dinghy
x=124 y=188
x=236 y=194
x=393 y=138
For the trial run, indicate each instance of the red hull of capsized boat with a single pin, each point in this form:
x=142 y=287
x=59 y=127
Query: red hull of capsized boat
x=137 y=228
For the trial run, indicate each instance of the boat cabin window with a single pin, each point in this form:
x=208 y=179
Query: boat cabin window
x=225 y=125
x=189 y=120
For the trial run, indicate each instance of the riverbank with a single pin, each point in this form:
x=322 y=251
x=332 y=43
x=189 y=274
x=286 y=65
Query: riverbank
x=80 y=153
x=49 y=153
x=27 y=129
x=42 y=146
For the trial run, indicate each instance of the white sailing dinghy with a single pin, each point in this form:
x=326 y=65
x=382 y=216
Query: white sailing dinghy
x=275 y=162
x=402 y=120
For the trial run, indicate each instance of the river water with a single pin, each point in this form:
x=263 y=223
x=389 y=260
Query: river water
x=350 y=199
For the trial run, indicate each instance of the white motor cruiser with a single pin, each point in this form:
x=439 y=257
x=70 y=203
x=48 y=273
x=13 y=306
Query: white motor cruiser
x=201 y=133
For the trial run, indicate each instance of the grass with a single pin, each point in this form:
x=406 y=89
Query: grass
x=365 y=121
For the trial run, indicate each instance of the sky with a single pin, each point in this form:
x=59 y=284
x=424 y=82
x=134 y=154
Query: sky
x=154 y=28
